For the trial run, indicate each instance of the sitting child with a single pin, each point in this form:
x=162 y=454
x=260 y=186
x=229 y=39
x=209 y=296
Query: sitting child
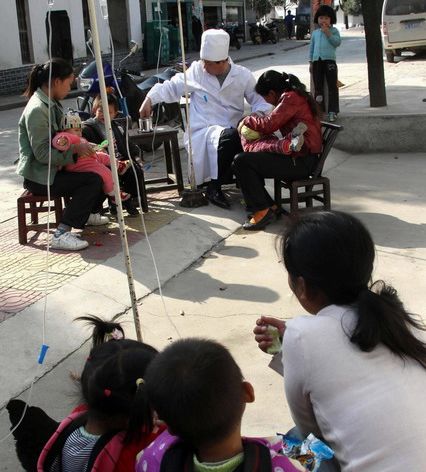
x=98 y=162
x=197 y=388
x=107 y=432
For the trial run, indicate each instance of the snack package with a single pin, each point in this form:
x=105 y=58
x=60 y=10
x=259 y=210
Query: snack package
x=310 y=452
x=249 y=134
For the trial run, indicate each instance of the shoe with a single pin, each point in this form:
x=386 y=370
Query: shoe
x=113 y=209
x=122 y=167
x=96 y=219
x=297 y=137
x=130 y=208
x=261 y=224
x=332 y=117
x=68 y=242
x=218 y=198
x=123 y=195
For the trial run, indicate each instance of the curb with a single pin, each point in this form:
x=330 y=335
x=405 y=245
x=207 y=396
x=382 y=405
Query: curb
x=22 y=101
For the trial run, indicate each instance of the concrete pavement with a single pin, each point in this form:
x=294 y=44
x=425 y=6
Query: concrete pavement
x=216 y=279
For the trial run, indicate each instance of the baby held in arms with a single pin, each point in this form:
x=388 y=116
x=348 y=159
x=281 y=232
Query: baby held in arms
x=97 y=162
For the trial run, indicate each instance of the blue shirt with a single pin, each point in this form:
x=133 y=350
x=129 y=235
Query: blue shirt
x=323 y=47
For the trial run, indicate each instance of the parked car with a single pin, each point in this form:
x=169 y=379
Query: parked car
x=403 y=27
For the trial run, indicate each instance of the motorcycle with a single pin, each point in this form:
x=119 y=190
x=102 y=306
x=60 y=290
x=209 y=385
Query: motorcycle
x=234 y=33
x=134 y=88
x=261 y=34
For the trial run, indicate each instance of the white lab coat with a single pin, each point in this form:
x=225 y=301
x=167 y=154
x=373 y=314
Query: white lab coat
x=213 y=108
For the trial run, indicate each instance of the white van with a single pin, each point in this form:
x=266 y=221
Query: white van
x=403 y=26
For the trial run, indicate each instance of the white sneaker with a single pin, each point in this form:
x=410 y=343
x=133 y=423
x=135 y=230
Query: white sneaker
x=68 y=242
x=96 y=219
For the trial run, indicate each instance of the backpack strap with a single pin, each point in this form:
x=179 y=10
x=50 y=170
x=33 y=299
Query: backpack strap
x=61 y=436
x=179 y=458
x=257 y=458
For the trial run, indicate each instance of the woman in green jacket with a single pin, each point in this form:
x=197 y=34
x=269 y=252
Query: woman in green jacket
x=35 y=151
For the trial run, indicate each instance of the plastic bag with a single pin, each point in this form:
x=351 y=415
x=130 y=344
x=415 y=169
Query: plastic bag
x=310 y=452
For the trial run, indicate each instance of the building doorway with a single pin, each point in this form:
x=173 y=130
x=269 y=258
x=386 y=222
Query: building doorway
x=61 y=35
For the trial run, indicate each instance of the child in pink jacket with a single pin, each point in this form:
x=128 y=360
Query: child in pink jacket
x=98 y=162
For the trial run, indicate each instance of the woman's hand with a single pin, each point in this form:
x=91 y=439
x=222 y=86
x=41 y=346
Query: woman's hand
x=264 y=340
x=83 y=149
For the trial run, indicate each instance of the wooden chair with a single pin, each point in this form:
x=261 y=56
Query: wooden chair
x=27 y=203
x=315 y=188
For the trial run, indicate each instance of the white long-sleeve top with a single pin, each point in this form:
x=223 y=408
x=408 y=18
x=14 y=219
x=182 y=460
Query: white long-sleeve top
x=369 y=406
x=213 y=108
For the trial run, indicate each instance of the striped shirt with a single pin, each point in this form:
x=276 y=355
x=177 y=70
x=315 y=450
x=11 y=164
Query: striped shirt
x=76 y=451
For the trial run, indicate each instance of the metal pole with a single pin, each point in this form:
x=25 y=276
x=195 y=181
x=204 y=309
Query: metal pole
x=188 y=123
x=111 y=150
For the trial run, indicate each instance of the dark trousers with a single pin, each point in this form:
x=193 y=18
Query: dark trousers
x=229 y=147
x=328 y=70
x=252 y=168
x=128 y=180
x=85 y=190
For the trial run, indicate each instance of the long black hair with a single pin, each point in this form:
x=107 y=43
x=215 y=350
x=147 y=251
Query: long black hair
x=334 y=253
x=112 y=381
x=281 y=82
x=325 y=10
x=39 y=74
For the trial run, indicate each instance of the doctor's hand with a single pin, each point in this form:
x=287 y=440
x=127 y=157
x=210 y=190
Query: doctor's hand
x=146 y=108
x=263 y=339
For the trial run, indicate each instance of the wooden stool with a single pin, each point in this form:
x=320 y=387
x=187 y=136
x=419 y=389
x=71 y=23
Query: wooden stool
x=167 y=136
x=33 y=209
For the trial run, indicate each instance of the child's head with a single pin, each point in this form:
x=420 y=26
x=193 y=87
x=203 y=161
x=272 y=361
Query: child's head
x=328 y=255
x=112 y=107
x=71 y=123
x=325 y=15
x=197 y=388
x=112 y=381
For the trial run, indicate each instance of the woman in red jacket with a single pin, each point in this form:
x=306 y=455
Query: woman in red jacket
x=266 y=156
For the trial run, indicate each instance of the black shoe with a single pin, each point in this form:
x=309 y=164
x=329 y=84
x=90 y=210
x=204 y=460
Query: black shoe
x=113 y=209
x=268 y=218
x=130 y=208
x=218 y=198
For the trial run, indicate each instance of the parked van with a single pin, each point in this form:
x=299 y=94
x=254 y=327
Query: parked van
x=403 y=26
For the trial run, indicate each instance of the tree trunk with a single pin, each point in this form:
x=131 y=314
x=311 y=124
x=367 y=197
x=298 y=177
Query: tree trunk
x=371 y=11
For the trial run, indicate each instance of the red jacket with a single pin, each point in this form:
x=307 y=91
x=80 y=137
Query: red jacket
x=292 y=109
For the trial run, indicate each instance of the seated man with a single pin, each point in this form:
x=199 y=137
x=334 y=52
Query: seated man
x=218 y=88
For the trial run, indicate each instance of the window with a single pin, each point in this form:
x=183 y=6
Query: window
x=24 y=37
x=405 y=7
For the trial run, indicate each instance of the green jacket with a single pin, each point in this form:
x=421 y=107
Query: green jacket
x=34 y=140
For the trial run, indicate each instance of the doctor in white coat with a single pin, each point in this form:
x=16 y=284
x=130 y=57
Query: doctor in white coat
x=218 y=88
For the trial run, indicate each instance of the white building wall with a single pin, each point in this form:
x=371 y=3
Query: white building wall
x=135 y=28
x=10 y=49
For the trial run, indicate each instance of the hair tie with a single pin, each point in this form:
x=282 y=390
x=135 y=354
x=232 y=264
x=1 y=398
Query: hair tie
x=139 y=382
x=114 y=334
x=107 y=392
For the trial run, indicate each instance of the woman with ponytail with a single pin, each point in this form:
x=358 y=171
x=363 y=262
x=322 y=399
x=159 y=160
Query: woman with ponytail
x=265 y=156
x=48 y=84
x=355 y=373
